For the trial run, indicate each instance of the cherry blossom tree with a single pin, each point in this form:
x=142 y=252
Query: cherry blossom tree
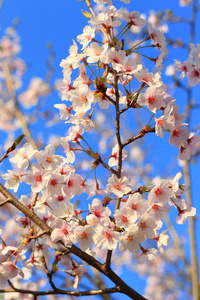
x=76 y=209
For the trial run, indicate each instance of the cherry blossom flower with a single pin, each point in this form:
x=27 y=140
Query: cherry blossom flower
x=182 y=67
x=178 y=134
x=184 y=211
x=13 y=179
x=125 y=217
x=37 y=178
x=115 y=57
x=47 y=158
x=158 y=210
x=91 y=219
x=153 y=98
x=193 y=76
x=131 y=239
x=87 y=35
x=63 y=232
x=102 y=213
x=162 y=239
x=161 y=192
x=84 y=236
x=119 y=186
x=113 y=161
x=23 y=156
x=190 y=149
x=133 y=18
x=163 y=123
x=82 y=98
x=137 y=203
x=149 y=254
x=65 y=210
x=105 y=237
x=64 y=111
x=77 y=272
x=146 y=226
x=74 y=58
x=95 y=52
x=9 y=270
x=185 y=2
x=72 y=185
x=68 y=150
x=174 y=184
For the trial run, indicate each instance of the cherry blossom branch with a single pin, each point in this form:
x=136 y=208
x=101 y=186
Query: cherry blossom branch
x=61 y=292
x=117 y=125
x=107 y=167
x=187 y=176
x=139 y=136
x=19 y=115
x=122 y=286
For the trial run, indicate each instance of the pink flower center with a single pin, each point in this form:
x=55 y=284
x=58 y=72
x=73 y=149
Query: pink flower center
x=70 y=183
x=143 y=225
x=134 y=206
x=38 y=178
x=151 y=99
x=60 y=198
x=84 y=235
x=118 y=186
x=124 y=219
x=158 y=192
x=116 y=59
x=176 y=132
x=108 y=235
x=155 y=207
x=49 y=159
x=97 y=213
x=64 y=231
x=53 y=182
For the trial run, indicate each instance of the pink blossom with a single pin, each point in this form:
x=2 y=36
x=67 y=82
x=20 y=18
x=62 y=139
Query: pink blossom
x=9 y=270
x=131 y=239
x=162 y=239
x=95 y=52
x=13 y=179
x=161 y=192
x=84 y=236
x=119 y=186
x=64 y=211
x=125 y=217
x=87 y=35
x=113 y=161
x=146 y=226
x=37 y=178
x=102 y=213
x=149 y=254
x=158 y=210
x=178 y=134
x=184 y=211
x=63 y=232
x=137 y=203
x=133 y=18
x=105 y=237
x=23 y=156
x=153 y=98
x=47 y=157
x=77 y=271
x=64 y=111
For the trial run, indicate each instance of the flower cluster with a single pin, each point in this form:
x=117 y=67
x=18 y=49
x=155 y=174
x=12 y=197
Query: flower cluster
x=190 y=67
